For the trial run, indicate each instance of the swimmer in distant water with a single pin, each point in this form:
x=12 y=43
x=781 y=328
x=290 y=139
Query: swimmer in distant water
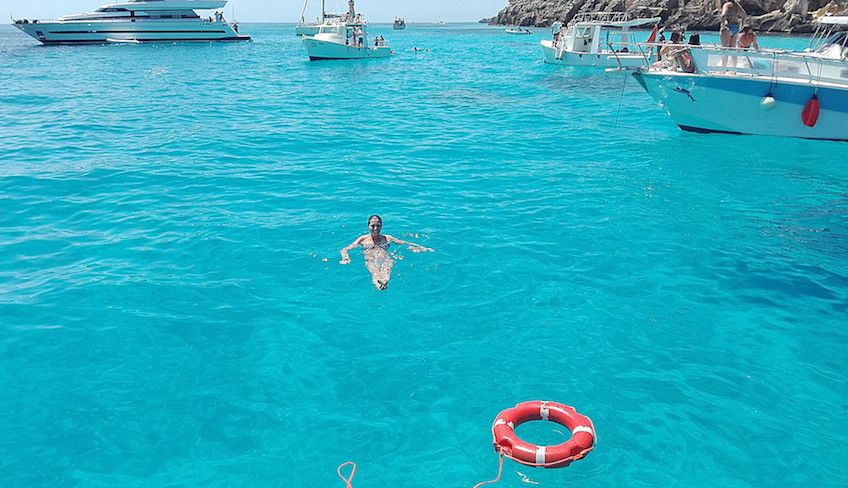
x=375 y=248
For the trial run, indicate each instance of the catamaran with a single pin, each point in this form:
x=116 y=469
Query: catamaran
x=399 y=24
x=134 y=21
x=597 y=39
x=758 y=91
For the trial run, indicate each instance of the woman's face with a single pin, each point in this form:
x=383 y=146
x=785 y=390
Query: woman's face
x=375 y=225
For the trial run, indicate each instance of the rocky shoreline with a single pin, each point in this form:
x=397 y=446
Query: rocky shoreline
x=789 y=16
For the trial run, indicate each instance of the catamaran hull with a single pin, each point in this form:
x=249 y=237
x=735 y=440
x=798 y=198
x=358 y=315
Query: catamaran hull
x=601 y=60
x=323 y=50
x=107 y=32
x=725 y=104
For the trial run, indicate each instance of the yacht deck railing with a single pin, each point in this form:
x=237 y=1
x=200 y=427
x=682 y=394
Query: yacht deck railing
x=754 y=63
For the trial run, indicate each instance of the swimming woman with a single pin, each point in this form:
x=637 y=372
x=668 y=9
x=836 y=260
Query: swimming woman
x=375 y=248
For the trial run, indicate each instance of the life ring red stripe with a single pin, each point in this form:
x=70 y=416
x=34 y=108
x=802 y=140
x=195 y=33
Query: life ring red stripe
x=510 y=445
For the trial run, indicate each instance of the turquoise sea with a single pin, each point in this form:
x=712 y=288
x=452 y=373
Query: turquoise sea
x=172 y=310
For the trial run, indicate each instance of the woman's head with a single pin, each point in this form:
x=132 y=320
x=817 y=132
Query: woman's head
x=375 y=223
x=676 y=37
x=748 y=30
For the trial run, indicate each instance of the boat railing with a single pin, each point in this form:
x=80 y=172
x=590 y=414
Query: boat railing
x=755 y=63
x=605 y=17
x=629 y=49
x=36 y=21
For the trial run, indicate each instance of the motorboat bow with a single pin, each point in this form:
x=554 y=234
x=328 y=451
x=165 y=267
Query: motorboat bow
x=752 y=91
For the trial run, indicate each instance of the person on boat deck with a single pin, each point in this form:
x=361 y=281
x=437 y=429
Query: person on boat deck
x=556 y=30
x=675 y=57
x=375 y=248
x=748 y=38
x=660 y=40
x=694 y=39
x=732 y=19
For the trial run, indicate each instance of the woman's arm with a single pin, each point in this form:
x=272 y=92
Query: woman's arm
x=344 y=251
x=412 y=246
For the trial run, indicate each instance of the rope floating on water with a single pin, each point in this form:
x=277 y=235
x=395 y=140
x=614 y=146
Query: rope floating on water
x=500 y=470
x=349 y=479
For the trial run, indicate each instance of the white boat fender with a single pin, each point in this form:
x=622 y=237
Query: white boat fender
x=767 y=103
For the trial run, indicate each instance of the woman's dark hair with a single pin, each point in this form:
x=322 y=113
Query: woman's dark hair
x=375 y=216
x=676 y=37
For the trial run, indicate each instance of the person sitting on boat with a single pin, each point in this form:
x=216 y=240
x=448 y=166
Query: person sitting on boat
x=732 y=18
x=674 y=56
x=375 y=248
x=748 y=38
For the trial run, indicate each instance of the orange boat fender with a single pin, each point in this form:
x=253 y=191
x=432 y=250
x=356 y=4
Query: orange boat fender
x=810 y=115
x=508 y=444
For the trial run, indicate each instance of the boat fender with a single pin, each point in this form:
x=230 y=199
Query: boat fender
x=767 y=103
x=509 y=445
x=810 y=115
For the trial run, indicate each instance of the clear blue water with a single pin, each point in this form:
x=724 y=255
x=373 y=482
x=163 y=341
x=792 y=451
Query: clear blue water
x=172 y=312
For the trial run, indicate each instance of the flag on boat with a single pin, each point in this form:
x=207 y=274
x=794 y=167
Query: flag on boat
x=653 y=36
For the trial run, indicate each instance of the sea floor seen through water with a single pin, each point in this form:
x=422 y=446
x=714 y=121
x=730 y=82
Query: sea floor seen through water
x=173 y=311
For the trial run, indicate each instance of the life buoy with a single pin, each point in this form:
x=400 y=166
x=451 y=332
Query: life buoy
x=810 y=115
x=509 y=445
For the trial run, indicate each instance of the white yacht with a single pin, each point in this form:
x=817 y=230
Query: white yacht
x=345 y=38
x=598 y=39
x=305 y=28
x=137 y=21
x=757 y=91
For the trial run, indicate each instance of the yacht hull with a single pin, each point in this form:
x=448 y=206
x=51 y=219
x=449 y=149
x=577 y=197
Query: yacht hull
x=107 y=32
x=323 y=50
x=601 y=60
x=724 y=104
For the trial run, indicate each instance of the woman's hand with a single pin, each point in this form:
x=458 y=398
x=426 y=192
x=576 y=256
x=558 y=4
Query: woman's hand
x=421 y=249
x=345 y=260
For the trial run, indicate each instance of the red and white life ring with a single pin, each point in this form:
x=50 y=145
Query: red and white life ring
x=509 y=445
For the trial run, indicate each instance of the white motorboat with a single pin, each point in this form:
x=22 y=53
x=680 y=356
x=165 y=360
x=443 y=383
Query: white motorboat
x=399 y=24
x=765 y=92
x=344 y=40
x=600 y=39
x=305 y=28
x=518 y=30
x=137 y=21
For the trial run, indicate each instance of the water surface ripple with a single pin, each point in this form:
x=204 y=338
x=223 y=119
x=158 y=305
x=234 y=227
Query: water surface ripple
x=172 y=312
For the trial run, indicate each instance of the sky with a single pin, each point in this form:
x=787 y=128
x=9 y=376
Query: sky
x=288 y=10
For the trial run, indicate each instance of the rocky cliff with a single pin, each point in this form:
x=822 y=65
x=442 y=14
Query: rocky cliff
x=764 y=15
